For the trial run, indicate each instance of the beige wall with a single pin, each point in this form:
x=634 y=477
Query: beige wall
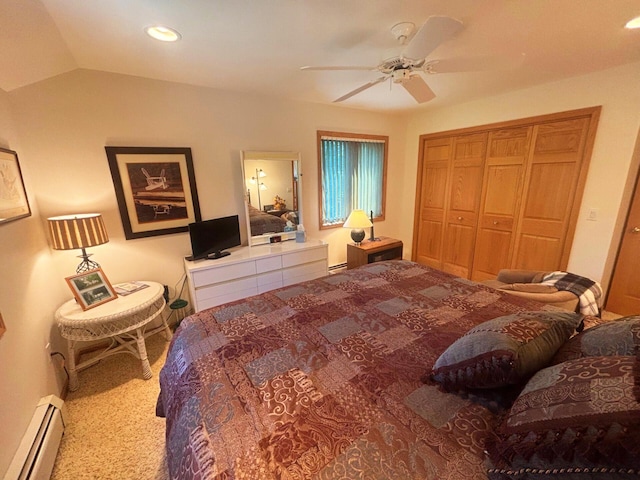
x=618 y=91
x=29 y=288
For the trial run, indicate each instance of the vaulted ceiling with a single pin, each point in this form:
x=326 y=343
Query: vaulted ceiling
x=258 y=46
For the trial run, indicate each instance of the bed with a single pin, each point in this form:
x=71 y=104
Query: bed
x=262 y=222
x=355 y=375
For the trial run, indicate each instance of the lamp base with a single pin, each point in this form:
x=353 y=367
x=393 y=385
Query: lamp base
x=357 y=235
x=86 y=264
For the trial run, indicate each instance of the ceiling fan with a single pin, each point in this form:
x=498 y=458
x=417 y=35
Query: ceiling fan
x=403 y=69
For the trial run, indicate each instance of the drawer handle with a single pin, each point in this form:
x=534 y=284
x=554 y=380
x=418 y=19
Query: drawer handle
x=635 y=230
x=495 y=222
x=459 y=218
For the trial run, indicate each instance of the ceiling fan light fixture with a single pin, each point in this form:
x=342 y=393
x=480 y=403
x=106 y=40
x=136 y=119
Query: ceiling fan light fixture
x=633 y=23
x=402 y=31
x=401 y=75
x=163 y=33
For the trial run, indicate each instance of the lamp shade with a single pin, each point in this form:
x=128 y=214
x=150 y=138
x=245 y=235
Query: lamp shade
x=357 y=219
x=69 y=232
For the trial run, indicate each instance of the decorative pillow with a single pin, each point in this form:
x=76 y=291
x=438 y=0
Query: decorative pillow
x=617 y=337
x=576 y=420
x=505 y=350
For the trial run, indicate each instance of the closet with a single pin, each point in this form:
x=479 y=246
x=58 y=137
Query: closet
x=504 y=195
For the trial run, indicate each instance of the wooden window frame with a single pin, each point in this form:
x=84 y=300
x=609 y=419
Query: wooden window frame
x=351 y=136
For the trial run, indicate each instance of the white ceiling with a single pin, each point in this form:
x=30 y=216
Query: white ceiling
x=259 y=46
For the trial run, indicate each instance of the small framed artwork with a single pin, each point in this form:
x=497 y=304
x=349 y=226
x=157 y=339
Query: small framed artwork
x=13 y=197
x=155 y=189
x=91 y=288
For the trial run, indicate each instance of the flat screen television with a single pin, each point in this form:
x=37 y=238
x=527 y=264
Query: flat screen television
x=210 y=238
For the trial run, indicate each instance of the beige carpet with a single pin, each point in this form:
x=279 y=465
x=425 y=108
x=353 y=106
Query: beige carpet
x=113 y=432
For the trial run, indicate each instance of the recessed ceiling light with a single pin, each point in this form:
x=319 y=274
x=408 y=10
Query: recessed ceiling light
x=633 y=23
x=162 y=33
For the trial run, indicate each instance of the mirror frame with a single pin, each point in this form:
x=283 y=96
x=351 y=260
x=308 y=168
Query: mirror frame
x=294 y=157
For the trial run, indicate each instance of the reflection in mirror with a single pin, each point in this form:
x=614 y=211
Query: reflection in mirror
x=271 y=181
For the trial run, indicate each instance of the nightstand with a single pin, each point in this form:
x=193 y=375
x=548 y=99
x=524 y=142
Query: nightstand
x=122 y=321
x=373 y=251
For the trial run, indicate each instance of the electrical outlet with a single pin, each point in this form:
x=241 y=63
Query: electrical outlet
x=592 y=215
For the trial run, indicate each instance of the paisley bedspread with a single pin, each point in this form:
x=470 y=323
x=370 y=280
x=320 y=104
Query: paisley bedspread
x=324 y=379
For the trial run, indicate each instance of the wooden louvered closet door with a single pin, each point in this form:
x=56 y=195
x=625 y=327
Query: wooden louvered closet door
x=502 y=196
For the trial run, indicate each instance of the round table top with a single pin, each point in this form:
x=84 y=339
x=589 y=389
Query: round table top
x=70 y=312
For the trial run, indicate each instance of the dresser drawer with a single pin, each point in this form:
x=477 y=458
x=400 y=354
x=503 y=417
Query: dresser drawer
x=223 y=274
x=268 y=264
x=269 y=281
x=305 y=256
x=229 y=297
x=270 y=277
x=227 y=288
x=308 y=271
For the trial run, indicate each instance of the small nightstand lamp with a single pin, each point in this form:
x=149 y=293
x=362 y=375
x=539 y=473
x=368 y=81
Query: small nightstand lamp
x=358 y=221
x=69 y=232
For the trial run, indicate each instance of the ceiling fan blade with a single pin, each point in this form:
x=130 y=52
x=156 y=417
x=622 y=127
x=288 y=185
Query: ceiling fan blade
x=361 y=89
x=474 y=64
x=433 y=32
x=338 y=68
x=418 y=89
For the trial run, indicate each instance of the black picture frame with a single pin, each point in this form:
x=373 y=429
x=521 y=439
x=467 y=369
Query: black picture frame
x=155 y=189
x=14 y=203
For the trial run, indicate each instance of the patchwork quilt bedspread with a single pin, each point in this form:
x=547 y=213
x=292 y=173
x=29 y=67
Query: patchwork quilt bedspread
x=325 y=379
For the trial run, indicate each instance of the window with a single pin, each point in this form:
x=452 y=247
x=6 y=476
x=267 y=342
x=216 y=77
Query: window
x=352 y=174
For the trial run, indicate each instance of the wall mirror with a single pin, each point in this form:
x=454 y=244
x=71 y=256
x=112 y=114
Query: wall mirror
x=272 y=194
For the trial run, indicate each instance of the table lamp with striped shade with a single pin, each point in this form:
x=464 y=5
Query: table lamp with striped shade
x=69 y=232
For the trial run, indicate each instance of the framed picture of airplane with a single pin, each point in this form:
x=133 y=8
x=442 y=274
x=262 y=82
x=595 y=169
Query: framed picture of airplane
x=155 y=189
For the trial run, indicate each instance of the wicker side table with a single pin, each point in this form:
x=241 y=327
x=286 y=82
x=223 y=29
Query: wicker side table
x=122 y=320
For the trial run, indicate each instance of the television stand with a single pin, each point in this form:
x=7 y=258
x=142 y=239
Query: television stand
x=214 y=256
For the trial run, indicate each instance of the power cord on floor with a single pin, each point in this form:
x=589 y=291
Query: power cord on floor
x=64 y=360
x=179 y=303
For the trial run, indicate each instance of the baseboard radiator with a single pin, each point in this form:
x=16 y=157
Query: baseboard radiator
x=338 y=267
x=36 y=454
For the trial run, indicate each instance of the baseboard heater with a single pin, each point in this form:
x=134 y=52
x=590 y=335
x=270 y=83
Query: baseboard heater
x=37 y=452
x=337 y=267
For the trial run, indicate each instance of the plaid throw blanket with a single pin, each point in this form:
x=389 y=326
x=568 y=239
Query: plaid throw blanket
x=589 y=292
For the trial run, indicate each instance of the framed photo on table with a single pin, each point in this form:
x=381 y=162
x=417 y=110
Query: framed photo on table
x=155 y=189
x=91 y=288
x=13 y=197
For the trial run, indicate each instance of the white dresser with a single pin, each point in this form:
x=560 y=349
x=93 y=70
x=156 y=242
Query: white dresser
x=253 y=270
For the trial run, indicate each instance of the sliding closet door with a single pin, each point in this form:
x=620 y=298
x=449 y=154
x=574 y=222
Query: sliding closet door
x=501 y=193
x=505 y=195
x=463 y=206
x=431 y=201
x=551 y=191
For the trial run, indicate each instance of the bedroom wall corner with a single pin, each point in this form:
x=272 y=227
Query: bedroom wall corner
x=28 y=298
